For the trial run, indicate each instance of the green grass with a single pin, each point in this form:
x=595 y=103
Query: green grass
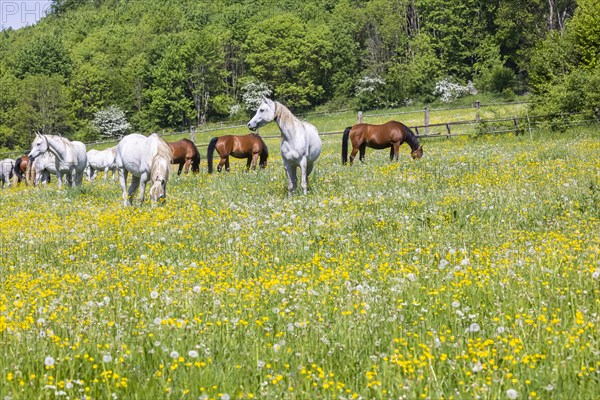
x=465 y=274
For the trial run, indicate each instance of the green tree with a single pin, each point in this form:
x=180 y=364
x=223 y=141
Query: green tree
x=585 y=31
x=290 y=57
x=44 y=55
x=42 y=106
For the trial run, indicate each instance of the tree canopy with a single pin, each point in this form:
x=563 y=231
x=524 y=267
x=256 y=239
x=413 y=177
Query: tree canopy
x=175 y=63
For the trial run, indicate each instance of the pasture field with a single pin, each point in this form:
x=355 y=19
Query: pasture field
x=471 y=273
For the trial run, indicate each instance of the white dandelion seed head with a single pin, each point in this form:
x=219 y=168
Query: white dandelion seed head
x=512 y=394
x=456 y=304
x=196 y=289
x=193 y=354
x=49 y=361
x=107 y=358
x=174 y=354
x=154 y=294
x=474 y=327
x=225 y=396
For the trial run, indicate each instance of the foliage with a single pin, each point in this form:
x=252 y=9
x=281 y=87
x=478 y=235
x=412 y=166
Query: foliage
x=447 y=90
x=111 y=122
x=253 y=93
x=183 y=62
x=369 y=92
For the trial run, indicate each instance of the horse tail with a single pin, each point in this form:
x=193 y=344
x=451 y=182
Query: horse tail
x=209 y=153
x=263 y=154
x=345 y=137
x=17 y=168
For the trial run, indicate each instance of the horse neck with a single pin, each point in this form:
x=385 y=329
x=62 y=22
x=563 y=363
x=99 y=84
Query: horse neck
x=57 y=146
x=411 y=139
x=285 y=120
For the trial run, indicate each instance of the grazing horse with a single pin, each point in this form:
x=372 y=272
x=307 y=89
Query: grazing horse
x=148 y=159
x=24 y=170
x=6 y=171
x=300 y=141
x=185 y=153
x=391 y=134
x=101 y=160
x=71 y=158
x=249 y=146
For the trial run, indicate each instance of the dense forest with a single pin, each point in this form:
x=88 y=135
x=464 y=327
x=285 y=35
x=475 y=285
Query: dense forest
x=169 y=64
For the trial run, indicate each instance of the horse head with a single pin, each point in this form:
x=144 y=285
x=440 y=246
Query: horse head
x=264 y=114
x=38 y=147
x=417 y=153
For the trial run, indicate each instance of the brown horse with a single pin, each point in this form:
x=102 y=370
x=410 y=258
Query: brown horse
x=24 y=171
x=250 y=146
x=185 y=153
x=391 y=134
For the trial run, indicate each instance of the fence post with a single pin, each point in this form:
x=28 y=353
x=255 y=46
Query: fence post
x=193 y=134
x=477 y=117
x=516 y=123
x=426 y=119
x=360 y=117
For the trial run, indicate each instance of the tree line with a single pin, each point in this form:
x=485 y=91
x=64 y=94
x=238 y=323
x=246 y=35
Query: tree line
x=176 y=63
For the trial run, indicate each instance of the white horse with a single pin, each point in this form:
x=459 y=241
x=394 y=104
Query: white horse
x=147 y=158
x=101 y=160
x=71 y=157
x=6 y=171
x=300 y=141
x=44 y=166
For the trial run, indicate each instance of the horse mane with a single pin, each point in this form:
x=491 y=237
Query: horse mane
x=283 y=115
x=163 y=153
x=64 y=140
x=411 y=138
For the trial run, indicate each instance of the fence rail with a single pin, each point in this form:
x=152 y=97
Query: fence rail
x=481 y=126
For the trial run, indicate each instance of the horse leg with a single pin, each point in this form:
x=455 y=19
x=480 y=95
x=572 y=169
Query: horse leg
x=188 y=162
x=135 y=183
x=353 y=153
x=304 y=175
x=142 y=183
x=74 y=177
x=292 y=179
x=254 y=160
x=180 y=168
x=123 y=181
x=248 y=163
x=227 y=164
x=362 y=149
x=394 y=151
x=221 y=163
x=59 y=178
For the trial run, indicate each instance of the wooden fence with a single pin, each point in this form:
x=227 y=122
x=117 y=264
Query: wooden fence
x=477 y=126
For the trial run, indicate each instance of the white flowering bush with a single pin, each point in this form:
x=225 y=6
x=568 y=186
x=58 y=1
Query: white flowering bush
x=447 y=90
x=111 y=122
x=369 y=91
x=253 y=93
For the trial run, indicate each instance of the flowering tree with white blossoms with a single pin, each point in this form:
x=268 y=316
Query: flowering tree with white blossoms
x=253 y=93
x=448 y=91
x=369 y=91
x=111 y=122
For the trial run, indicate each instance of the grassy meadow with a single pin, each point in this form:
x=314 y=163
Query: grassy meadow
x=471 y=273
